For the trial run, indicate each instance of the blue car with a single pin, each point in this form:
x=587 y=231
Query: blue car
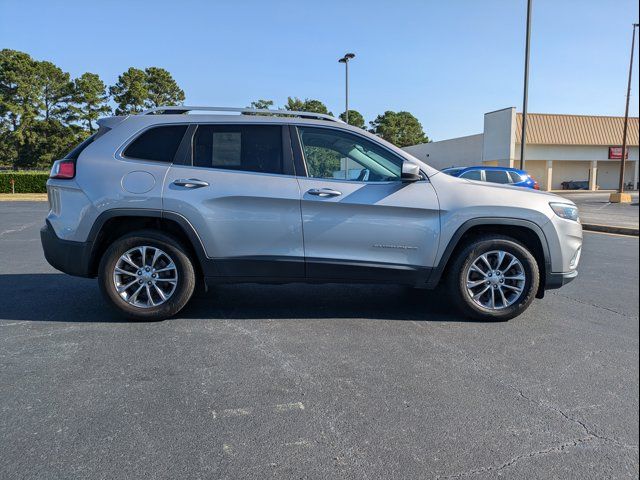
x=504 y=175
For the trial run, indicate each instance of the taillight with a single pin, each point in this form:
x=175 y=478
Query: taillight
x=536 y=185
x=63 y=169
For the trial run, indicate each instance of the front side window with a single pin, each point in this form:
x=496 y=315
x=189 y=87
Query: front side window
x=341 y=155
x=159 y=144
x=516 y=177
x=472 y=175
x=496 y=176
x=250 y=148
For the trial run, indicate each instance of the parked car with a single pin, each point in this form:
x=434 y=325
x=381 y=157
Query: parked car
x=158 y=204
x=503 y=175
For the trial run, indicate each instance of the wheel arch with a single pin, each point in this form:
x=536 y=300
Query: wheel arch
x=112 y=224
x=526 y=232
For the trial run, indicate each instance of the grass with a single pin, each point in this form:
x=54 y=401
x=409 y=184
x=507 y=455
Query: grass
x=23 y=197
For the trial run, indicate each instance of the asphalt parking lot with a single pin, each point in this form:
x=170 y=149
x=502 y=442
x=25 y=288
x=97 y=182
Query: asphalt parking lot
x=315 y=381
x=595 y=208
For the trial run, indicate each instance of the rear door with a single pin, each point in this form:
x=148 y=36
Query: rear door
x=361 y=222
x=238 y=190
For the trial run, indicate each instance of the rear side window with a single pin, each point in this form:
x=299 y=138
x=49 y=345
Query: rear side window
x=496 y=176
x=250 y=148
x=77 y=150
x=159 y=144
x=472 y=175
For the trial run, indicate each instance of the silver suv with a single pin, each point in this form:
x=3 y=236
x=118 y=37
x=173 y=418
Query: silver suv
x=172 y=200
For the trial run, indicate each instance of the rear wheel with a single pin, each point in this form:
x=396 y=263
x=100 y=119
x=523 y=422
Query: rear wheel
x=493 y=278
x=146 y=275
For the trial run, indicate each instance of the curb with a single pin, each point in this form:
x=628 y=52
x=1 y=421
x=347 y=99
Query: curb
x=594 y=227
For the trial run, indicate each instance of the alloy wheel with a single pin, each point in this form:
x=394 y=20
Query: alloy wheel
x=495 y=280
x=145 y=276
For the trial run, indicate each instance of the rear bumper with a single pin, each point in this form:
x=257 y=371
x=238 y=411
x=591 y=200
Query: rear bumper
x=69 y=257
x=557 y=280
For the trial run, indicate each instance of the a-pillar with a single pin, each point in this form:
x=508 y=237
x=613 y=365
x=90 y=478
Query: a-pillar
x=549 y=175
x=593 y=175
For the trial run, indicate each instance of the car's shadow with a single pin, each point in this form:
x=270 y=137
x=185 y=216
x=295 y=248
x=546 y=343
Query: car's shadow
x=55 y=297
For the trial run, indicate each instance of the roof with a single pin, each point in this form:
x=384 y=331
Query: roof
x=553 y=129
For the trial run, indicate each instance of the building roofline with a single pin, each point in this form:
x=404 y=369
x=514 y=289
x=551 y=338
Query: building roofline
x=500 y=110
x=571 y=115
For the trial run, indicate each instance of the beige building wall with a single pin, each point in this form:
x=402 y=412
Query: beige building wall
x=608 y=176
x=538 y=170
x=457 y=152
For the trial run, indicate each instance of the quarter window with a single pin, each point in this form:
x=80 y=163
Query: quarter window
x=496 y=176
x=341 y=155
x=159 y=143
x=251 y=148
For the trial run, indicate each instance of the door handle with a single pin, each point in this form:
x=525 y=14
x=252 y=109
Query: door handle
x=324 y=192
x=190 y=183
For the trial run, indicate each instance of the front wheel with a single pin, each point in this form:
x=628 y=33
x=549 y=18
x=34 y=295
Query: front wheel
x=146 y=275
x=494 y=278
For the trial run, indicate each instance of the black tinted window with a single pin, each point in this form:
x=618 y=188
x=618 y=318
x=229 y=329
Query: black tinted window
x=159 y=143
x=252 y=148
x=472 y=175
x=496 y=176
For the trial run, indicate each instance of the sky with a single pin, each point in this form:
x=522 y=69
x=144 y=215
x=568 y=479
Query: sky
x=447 y=62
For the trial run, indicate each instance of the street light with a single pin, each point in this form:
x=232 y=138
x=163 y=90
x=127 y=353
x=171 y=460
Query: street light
x=523 y=136
x=345 y=60
x=621 y=197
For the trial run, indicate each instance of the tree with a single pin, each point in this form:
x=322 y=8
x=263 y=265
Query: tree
x=56 y=90
x=355 y=118
x=20 y=86
x=162 y=89
x=90 y=100
x=20 y=101
x=46 y=141
x=131 y=92
x=261 y=104
x=308 y=105
x=400 y=128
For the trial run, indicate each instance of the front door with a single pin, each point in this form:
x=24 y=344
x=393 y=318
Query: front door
x=360 y=221
x=238 y=191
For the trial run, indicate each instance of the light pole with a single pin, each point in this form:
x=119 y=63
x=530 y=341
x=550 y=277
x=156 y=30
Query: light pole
x=523 y=136
x=345 y=60
x=621 y=197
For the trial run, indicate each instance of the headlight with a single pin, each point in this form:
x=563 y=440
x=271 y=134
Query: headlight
x=566 y=211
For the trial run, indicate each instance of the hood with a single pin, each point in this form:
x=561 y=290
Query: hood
x=485 y=193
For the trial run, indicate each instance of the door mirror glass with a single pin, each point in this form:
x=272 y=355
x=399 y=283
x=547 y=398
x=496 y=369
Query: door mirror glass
x=410 y=172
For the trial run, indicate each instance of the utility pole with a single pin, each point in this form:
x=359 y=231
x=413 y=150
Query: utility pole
x=345 y=60
x=621 y=197
x=523 y=136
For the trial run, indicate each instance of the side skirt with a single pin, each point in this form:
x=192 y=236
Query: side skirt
x=283 y=270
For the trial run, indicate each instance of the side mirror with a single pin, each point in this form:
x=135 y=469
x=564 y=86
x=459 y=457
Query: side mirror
x=410 y=172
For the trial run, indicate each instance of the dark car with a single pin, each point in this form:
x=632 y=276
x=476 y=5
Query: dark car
x=504 y=175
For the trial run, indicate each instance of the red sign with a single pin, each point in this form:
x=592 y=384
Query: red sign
x=615 y=153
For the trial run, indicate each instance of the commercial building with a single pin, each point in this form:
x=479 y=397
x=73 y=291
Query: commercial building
x=560 y=148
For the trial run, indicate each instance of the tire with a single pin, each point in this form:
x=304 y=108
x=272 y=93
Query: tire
x=500 y=307
x=171 y=272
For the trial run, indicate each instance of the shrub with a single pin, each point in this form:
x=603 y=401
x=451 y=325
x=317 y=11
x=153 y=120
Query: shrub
x=25 y=181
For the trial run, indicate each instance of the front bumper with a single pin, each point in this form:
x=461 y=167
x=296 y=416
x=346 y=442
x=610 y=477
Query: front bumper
x=557 y=280
x=69 y=257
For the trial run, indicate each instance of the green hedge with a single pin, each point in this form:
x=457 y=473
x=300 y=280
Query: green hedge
x=25 y=182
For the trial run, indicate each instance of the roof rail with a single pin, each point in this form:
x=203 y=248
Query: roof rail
x=290 y=113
